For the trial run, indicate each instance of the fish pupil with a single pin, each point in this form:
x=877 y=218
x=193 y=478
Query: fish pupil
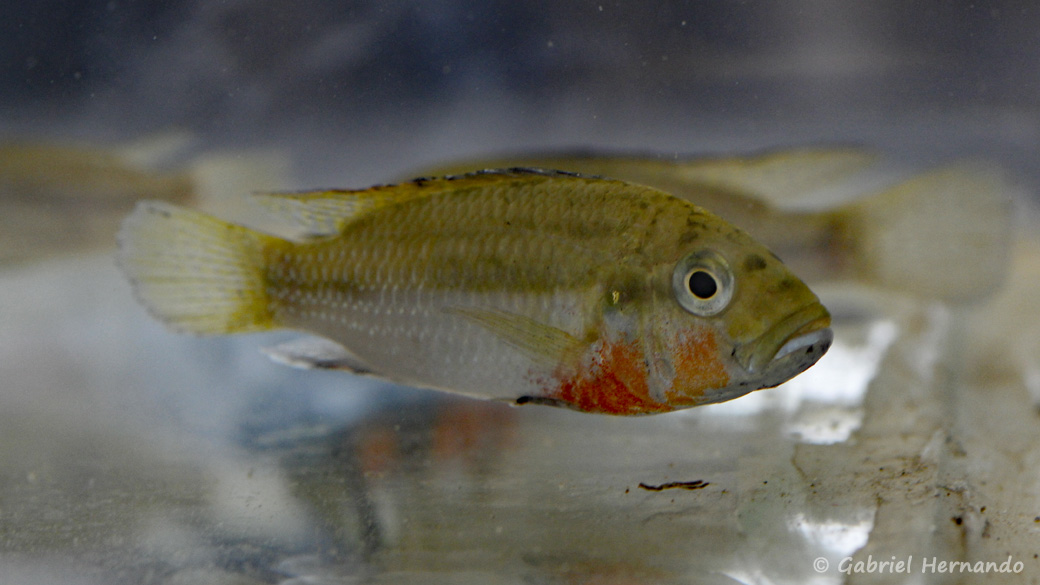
x=702 y=284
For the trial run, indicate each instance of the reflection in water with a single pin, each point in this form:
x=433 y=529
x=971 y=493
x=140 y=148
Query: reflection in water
x=835 y=539
x=60 y=198
x=829 y=408
x=349 y=476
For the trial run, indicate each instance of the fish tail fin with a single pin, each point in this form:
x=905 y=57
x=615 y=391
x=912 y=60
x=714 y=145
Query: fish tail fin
x=194 y=272
x=943 y=234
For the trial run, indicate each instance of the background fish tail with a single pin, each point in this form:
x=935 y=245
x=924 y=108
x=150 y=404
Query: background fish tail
x=944 y=234
x=194 y=272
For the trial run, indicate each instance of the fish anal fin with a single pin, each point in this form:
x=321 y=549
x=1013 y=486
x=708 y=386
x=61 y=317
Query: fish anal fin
x=317 y=353
x=541 y=342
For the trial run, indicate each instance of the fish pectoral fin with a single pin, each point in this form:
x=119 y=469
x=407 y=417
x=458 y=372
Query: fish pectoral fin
x=316 y=353
x=541 y=342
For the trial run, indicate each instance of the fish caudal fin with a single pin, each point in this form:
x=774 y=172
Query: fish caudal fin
x=194 y=272
x=943 y=234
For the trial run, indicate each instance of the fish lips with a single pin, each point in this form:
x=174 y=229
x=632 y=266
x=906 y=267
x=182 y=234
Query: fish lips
x=788 y=348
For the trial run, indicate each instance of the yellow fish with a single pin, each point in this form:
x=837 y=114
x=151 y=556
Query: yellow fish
x=524 y=285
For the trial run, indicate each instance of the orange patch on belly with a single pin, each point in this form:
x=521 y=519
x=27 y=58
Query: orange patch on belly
x=616 y=383
x=698 y=368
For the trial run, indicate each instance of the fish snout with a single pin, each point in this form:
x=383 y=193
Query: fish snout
x=800 y=353
x=788 y=348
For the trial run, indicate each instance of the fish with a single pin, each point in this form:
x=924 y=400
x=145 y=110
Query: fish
x=59 y=198
x=901 y=238
x=528 y=286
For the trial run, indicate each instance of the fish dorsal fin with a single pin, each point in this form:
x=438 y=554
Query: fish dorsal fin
x=781 y=178
x=543 y=343
x=325 y=213
x=316 y=353
x=322 y=213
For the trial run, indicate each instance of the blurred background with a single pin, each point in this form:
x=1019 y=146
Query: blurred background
x=129 y=454
x=361 y=85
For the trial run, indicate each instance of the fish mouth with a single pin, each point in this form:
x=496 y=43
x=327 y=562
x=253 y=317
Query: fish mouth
x=788 y=347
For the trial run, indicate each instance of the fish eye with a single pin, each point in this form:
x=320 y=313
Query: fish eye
x=703 y=283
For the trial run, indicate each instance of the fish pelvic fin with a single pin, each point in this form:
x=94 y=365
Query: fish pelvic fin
x=944 y=234
x=194 y=272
